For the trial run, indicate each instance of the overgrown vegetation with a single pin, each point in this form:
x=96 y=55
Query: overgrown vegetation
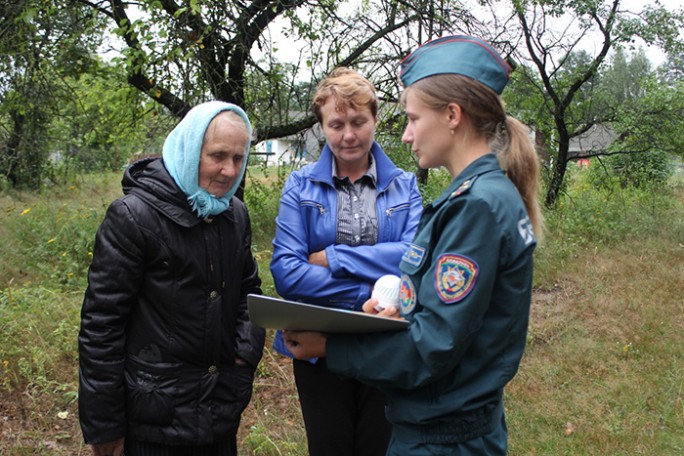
x=603 y=373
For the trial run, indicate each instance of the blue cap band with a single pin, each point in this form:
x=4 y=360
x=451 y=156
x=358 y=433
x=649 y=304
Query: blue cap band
x=458 y=54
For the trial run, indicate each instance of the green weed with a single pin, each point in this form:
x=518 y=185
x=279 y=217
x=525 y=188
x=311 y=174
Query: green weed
x=603 y=372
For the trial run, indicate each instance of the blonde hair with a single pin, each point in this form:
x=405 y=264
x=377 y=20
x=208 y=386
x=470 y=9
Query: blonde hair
x=350 y=89
x=507 y=136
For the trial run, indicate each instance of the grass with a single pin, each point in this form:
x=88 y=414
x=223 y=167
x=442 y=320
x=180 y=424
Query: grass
x=605 y=359
x=603 y=372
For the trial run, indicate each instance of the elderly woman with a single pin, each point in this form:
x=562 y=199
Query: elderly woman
x=167 y=351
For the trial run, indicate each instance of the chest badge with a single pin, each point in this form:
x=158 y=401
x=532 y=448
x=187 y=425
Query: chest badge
x=454 y=277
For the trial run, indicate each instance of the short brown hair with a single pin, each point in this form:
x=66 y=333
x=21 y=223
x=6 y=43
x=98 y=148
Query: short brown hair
x=350 y=89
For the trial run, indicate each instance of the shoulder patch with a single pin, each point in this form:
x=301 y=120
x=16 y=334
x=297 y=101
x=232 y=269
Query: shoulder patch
x=526 y=231
x=454 y=277
x=414 y=255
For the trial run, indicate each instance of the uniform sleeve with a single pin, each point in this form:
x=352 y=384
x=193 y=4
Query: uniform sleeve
x=250 y=339
x=444 y=325
x=294 y=277
x=369 y=262
x=114 y=278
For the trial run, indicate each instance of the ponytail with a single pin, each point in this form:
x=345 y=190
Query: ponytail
x=507 y=136
x=519 y=160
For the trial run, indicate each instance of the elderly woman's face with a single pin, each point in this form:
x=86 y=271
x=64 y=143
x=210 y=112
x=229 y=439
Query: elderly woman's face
x=223 y=151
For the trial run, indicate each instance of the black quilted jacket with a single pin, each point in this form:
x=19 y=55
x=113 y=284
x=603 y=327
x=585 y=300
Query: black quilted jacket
x=165 y=316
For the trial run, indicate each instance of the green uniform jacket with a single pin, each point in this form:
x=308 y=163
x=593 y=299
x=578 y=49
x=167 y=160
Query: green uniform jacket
x=466 y=290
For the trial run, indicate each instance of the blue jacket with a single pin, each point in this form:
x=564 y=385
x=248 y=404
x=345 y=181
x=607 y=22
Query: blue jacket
x=307 y=223
x=466 y=290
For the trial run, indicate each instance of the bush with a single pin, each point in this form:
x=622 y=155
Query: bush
x=262 y=198
x=53 y=242
x=639 y=170
x=589 y=217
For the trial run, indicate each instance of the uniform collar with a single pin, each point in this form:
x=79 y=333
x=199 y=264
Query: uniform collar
x=461 y=183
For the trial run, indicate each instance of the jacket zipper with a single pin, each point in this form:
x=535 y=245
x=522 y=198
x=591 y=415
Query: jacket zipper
x=396 y=208
x=320 y=207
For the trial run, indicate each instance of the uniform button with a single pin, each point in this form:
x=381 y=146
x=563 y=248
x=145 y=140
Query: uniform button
x=212 y=369
x=213 y=295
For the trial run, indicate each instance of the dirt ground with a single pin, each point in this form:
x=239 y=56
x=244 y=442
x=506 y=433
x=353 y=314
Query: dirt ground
x=31 y=425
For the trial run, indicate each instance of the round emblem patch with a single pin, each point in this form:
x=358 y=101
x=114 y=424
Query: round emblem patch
x=407 y=295
x=454 y=277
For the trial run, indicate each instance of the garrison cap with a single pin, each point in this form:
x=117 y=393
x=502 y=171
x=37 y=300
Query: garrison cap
x=457 y=54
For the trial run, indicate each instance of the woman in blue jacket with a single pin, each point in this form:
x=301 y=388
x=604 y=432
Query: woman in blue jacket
x=343 y=222
x=467 y=277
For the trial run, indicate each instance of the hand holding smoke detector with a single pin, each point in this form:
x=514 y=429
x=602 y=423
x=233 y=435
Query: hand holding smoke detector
x=386 y=290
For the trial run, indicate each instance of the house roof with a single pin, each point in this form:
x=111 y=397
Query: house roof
x=596 y=139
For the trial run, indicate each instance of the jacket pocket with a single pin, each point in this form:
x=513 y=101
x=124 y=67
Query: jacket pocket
x=396 y=218
x=313 y=205
x=232 y=394
x=150 y=391
x=398 y=210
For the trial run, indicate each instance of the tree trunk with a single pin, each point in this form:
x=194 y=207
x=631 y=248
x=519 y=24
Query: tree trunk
x=13 y=144
x=559 y=168
x=422 y=175
x=541 y=145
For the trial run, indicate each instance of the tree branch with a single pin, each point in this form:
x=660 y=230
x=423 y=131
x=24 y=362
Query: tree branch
x=136 y=77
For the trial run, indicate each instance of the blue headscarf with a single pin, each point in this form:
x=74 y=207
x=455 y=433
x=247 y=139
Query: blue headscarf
x=181 y=155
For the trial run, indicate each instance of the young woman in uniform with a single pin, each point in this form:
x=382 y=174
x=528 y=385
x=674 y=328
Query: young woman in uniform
x=467 y=276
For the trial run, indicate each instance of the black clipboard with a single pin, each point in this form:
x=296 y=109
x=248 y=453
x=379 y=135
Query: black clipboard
x=275 y=313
